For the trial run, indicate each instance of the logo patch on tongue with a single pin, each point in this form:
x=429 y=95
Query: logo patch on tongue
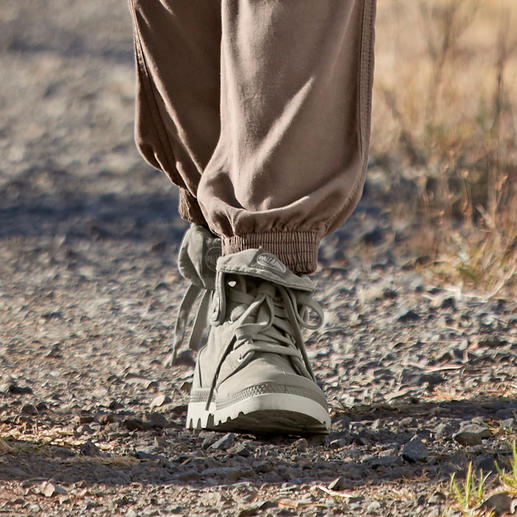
x=269 y=261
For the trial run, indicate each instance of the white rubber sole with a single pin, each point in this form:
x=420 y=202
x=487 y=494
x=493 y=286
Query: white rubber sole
x=267 y=413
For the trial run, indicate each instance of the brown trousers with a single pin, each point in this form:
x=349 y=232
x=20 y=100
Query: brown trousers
x=259 y=111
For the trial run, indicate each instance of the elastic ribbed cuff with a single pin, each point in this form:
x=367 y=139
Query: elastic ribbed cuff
x=189 y=209
x=297 y=250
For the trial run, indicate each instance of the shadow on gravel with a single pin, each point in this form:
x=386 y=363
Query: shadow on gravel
x=186 y=460
x=499 y=408
x=64 y=465
x=46 y=201
x=63 y=210
x=67 y=44
x=103 y=217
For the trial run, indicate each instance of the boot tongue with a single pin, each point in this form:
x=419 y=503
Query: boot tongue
x=236 y=283
x=257 y=287
x=266 y=288
x=252 y=286
x=253 y=264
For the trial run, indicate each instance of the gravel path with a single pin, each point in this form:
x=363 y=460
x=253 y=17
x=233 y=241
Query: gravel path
x=421 y=379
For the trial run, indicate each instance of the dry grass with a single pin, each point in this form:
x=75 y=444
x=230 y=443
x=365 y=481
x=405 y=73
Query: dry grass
x=445 y=119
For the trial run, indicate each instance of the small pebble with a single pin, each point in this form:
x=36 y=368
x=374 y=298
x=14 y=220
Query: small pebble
x=500 y=504
x=158 y=401
x=224 y=442
x=338 y=484
x=29 y=409
x=407 y=315
x=472 y=434
x=49 y=489
x=89 y=449
x=415 y=450
x=16 y=389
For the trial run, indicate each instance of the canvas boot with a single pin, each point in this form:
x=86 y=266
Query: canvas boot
x=253 y=374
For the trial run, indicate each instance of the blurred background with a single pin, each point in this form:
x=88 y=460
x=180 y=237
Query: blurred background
x=444 y=132
x=443 y=159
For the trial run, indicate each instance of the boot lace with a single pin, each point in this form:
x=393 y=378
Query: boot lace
x=270 y=321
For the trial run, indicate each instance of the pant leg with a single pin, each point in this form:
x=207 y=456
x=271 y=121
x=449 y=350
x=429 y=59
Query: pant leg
x=177 y=54
x=289 y=166
x=286 y=143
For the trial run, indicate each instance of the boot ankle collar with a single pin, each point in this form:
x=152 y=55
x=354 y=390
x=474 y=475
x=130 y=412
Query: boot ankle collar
x=256 y=263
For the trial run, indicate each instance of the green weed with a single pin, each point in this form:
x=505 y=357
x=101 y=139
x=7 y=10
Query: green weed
x=509 y=481
x=468 y=495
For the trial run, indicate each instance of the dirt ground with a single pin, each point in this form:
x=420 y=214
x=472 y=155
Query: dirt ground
x=421 y=378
